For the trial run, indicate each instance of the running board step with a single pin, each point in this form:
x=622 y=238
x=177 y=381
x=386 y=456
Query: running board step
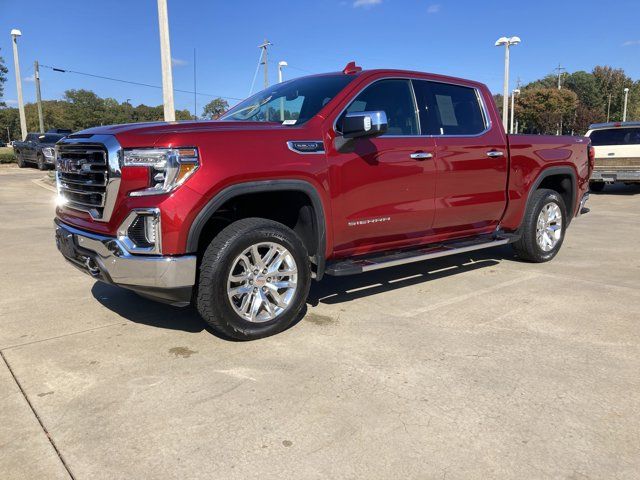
x=401 y=257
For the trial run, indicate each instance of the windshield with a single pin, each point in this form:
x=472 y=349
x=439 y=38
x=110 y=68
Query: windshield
x=291 y=103
x=615 y=136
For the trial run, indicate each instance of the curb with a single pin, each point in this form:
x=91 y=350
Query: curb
x=43 y=184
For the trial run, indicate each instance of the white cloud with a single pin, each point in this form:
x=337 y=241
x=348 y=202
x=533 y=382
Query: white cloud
x=629 y=43
x=30 y=78
x=366 y=3
x=433 y=8
x=178 y=62
x=11 y=102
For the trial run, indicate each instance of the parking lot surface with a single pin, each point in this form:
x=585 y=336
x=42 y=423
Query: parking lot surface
x=470 y=367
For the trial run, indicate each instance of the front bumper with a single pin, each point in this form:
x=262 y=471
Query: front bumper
x=168 y=279
x=612 y=176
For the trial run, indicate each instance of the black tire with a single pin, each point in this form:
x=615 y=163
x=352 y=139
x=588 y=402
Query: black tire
x=212 y=300
x=40 y=162
x=596 y=186
x=527 y=247
x=21 y=162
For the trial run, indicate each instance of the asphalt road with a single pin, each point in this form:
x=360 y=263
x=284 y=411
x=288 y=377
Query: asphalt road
x=470 y=367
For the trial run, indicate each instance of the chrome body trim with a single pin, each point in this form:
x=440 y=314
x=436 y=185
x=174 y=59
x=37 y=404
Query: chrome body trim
x=483 y=108
x=129 y=245
x=114 y=172
x=114 y=264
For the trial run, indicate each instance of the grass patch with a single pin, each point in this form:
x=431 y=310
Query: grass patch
x=7 y=155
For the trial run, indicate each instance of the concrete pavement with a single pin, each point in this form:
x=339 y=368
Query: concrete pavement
x=474 y=366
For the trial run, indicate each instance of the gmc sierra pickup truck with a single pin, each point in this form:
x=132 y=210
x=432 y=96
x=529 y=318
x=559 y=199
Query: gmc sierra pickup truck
x=336 y=174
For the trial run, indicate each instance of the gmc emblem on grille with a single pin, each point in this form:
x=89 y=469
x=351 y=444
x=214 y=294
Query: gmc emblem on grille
x=69 y=165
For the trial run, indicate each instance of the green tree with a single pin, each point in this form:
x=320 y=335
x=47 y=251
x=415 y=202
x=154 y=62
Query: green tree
x=544 y=110
x=215 y=108
x=3 y=78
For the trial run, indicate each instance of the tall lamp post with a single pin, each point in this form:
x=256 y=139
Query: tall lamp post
x=513 y=101
x=281 y=64
x=507 y=42
x=624 y=111
x=15 y=33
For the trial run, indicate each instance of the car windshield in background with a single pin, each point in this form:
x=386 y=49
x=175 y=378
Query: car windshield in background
x=291 y=103
x=49 y=138
x=616 y=136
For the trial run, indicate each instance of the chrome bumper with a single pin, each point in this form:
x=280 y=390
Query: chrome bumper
x=612 y=176
x=164 y=278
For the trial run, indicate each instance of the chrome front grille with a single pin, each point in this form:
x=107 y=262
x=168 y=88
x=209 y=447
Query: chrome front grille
x=88 y=174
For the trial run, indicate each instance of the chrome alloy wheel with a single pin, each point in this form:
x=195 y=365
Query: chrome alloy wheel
x=549 y=227
x=262 y=282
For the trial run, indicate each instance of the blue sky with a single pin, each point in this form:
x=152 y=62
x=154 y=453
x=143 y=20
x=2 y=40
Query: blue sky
x=120 y=39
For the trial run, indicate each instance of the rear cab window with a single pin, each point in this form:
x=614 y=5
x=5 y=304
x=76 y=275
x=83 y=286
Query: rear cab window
x=615 y=136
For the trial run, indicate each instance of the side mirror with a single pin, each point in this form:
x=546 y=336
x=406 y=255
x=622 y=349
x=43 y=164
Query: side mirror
x=364 y=124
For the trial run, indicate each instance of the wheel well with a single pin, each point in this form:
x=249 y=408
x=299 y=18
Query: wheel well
x=563 y=184
x=291 y=208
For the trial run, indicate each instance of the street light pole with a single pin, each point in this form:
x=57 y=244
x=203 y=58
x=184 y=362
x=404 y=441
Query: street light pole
x=281 y=64
x=165 y=55
x=36 y=68
x=507 y=42
x=513 y=101
x=624 y=111
x=15 y=33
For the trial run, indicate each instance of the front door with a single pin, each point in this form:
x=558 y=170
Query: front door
x=383 y=193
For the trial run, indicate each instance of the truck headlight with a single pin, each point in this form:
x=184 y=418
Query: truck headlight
x=49 y=153
x=168 y=167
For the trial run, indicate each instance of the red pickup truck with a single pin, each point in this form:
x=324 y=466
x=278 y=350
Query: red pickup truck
x=337 y=174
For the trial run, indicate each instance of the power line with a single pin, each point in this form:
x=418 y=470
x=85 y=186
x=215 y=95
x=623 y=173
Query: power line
x=63 y=70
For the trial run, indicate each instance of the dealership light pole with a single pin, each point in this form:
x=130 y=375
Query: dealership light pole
x=507 y=42
x=513 y=101
x=36 y=69
x=624 y=111
x=15 y=33
x=165 y=54
x=281 y=64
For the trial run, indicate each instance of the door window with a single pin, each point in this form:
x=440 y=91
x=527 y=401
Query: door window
x=394 y=97
x=447 y=109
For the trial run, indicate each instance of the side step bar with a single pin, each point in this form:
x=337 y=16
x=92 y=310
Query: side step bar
x=401 y=257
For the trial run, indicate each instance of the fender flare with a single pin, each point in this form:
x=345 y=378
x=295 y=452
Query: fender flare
x=232 y=191
x=558 y=170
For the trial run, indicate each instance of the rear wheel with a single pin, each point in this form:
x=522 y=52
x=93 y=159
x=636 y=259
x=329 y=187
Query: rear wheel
x=596 y=186
x=254 y=279
x=543 y=227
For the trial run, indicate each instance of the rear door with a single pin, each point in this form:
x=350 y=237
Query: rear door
x=383 y=193
x=472 y=158
x=30 y=147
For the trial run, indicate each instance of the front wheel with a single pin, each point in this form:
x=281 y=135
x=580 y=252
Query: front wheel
x=41 y=164
x=254 y=279
x=21 y=162
x=543 y=227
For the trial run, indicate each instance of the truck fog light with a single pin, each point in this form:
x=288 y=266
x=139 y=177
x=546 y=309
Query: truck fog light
x=140 y=232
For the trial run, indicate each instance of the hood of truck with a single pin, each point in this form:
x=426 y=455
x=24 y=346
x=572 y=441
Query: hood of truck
x=148 y=134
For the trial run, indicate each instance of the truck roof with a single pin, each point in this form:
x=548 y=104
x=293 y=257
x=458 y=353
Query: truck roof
x=599 y=126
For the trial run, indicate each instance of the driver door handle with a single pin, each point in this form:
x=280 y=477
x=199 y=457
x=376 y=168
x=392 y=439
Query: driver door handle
x=421 y=155
x=495 y=153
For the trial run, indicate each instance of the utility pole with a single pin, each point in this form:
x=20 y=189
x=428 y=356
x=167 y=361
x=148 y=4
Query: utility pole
x=281 y=65
x=36 y=68
x=165 y=54
x=266 y=44
x=507 y=42
x=15 y=33
x=513 y=104
x=608 y=108
x=624 y=112
x=560 y=69
x=195 y=94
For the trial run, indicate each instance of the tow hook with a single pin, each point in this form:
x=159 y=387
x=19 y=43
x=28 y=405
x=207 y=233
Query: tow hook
x=92 y=266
